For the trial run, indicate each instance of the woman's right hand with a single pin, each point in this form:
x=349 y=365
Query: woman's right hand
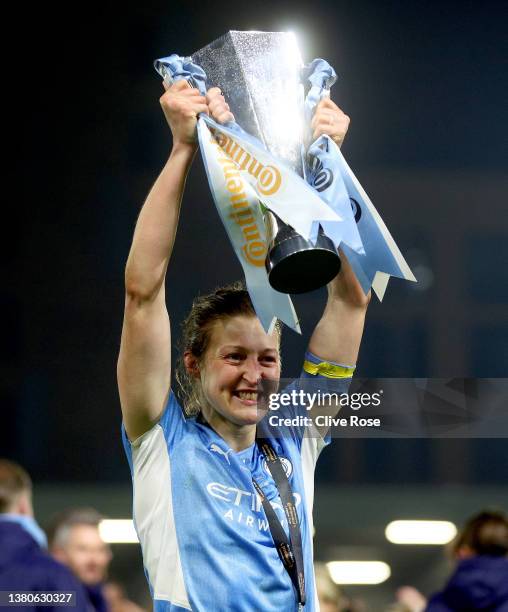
x=218 y=106
x=181 y=104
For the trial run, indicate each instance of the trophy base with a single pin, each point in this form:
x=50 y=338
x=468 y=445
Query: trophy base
x=294 y=265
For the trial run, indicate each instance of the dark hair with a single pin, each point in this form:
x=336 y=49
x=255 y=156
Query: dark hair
x=14 y=480
x=222 y=304
x=485 y=533
x=61 y=524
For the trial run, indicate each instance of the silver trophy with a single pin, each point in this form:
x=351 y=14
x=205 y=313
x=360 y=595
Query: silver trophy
x=259 y=75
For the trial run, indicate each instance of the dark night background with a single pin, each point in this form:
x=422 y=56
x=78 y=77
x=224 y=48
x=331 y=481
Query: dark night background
x=423 y=83
x=425 y=86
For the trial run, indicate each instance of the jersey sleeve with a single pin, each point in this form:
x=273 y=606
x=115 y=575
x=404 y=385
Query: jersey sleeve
x=172 y=426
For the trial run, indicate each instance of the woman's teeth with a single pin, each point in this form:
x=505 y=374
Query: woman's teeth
x=245 y=395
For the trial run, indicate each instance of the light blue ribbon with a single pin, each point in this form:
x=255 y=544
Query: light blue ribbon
x=267 y=302
x=174 y=68
x=322 y=168
x=362 y=235
x=379 y=257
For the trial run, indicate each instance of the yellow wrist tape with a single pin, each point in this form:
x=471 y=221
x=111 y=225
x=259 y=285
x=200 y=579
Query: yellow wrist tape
x=329 y=370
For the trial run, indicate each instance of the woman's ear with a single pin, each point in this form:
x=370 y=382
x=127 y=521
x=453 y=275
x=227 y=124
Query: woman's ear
x=191 y=364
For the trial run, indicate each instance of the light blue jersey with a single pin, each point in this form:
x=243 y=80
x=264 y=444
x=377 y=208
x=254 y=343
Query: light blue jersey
x=204 y=534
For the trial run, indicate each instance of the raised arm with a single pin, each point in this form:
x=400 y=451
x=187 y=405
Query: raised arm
x=338 y=334
x=144 y=363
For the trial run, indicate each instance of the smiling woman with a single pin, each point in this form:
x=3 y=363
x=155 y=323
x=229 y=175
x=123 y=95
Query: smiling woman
x=226 y=353
x=223 y=328
x=223 y=513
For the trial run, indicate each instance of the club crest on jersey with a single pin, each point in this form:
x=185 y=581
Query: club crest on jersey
x=286 y=464
x=215 y=448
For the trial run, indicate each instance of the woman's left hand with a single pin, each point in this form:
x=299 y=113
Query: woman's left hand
x=330 y=120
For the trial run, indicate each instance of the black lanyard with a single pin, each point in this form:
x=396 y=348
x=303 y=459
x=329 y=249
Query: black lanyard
x=290 y=550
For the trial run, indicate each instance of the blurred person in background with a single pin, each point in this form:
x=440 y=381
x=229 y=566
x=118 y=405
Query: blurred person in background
x=74 y=540
x=408 y=599
x=24 y=563
x=480 y=579
x=330 y=596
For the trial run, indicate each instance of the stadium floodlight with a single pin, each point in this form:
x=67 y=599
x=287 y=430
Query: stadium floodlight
x=359 y=572
x=420 y=532
x=118 y=531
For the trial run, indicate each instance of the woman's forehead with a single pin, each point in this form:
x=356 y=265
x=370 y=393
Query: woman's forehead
x=242 y=331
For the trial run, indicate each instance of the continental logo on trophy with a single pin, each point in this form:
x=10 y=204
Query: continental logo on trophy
x=268 y=177
x=285 y=201
x=254 y=250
